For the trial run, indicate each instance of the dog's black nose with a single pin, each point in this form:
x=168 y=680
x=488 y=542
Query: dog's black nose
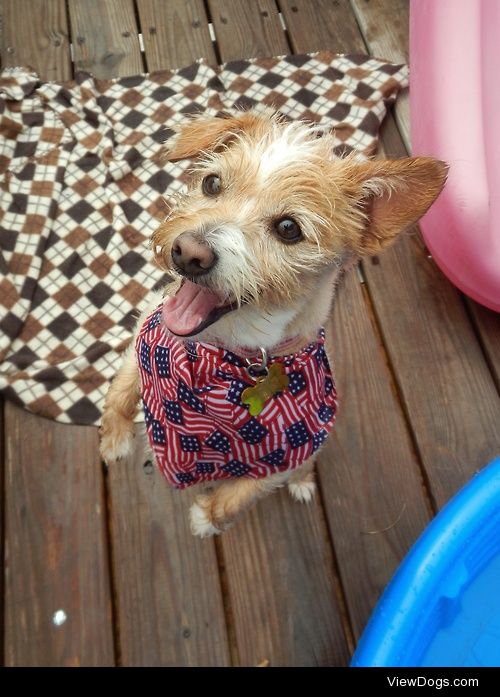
x=192 y=256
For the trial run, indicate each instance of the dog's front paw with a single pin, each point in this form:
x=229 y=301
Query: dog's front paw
x=302 y=491
x=200 y=518
x=116 y=440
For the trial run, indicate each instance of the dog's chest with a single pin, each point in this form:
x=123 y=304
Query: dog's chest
x=200 y=428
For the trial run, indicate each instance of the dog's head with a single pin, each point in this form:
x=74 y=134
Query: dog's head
x=270 y=210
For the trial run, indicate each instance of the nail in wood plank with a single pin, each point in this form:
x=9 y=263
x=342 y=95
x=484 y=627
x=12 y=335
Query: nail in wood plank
x=247 y=29
x=35 y=34
x=175 y=33
x=105 y=37
x=322 y=24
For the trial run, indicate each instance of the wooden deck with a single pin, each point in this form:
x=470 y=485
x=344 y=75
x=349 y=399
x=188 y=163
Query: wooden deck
x=418 y=368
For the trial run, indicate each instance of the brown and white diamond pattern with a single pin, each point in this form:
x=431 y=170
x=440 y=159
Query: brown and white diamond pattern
x=346 y=93
x=148 y=105
x=87 y=186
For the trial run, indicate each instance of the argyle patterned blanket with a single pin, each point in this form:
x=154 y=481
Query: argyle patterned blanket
x=82 y=187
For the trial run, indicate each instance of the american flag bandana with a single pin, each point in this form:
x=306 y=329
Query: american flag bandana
x=197 y=425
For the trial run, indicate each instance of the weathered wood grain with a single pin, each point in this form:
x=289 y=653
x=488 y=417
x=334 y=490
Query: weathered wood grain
x=175 y=32
x=447 y=388
x=55 y=556
x=105 y=37
x=35 y=34
x=445 y=382
x=321 y=24
x=488 y=326
x=169 y=602
x=369 y=473
x=55 y=544
x=385 y=26
x=446 y=385
x=247 y=29
x=281 y=582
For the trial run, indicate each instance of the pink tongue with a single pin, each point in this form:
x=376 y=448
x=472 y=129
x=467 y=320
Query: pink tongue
x=187 y=310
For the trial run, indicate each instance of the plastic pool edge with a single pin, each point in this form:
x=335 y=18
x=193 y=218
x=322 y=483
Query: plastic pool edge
x=392 y=624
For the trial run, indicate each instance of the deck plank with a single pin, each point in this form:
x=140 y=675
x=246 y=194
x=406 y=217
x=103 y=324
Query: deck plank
x=446 y=385
x=369 y=482
x=247 y=29
x=55 y=545
x=374 y=496
x=55 y=552
x=175 y=32
x=169 y=602
x=488 y=326
x=168 y=594
x=321 y=24
x=105 y=37
x=294 y=616
x=40 y=43
x=281 y=580
x=385 y=25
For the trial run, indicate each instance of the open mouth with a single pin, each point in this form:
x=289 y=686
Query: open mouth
x=194 y=308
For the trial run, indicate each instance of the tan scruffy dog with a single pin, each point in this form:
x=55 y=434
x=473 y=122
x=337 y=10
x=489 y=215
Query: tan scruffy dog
x=230 y=364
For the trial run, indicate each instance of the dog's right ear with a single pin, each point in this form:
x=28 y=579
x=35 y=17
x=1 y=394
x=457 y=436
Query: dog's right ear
x=202 y=133
x=393 y=195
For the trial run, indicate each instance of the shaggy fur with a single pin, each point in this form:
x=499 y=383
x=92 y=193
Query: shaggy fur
x=270 y=169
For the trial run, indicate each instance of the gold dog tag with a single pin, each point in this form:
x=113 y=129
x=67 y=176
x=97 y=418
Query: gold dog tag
x=266 y=387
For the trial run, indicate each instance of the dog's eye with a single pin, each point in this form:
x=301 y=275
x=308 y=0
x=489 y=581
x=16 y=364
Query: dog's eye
x=288 y=230
x=211 y=185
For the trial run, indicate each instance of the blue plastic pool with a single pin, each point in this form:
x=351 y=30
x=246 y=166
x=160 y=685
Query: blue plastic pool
x=442 y=608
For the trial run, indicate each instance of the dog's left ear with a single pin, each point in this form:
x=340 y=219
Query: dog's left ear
x=393 y=195
x=211 y=132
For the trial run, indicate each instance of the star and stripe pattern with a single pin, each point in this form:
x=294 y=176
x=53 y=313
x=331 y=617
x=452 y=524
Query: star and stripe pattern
x=197 y=425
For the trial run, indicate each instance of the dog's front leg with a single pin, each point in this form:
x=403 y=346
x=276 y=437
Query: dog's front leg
x=301 y=485
x=120 y=408
x=213 y=513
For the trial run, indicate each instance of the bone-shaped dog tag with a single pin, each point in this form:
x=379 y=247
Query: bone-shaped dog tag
x=266 y=387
